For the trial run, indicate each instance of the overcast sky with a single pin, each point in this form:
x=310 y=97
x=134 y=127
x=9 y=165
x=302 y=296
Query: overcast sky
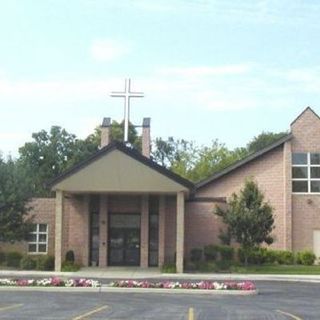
x=224 y=69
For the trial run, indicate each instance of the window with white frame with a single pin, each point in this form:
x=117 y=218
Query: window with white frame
x=38 y=239
x=306 y=172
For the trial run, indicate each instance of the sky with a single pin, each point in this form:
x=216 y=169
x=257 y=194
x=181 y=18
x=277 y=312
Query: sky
x=209 y=69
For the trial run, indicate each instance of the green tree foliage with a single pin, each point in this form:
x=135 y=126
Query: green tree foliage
x=262 y=140
x=191 y=161
x=248 y=218
x=51 y=153
x=14 y=195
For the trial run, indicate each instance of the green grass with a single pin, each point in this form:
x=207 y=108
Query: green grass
x=277 y=269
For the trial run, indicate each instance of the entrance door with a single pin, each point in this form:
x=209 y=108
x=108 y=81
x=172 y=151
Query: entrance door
x=124 y=240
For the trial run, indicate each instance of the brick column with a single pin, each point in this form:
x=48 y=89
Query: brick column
x=105 y=132
x=162 y=219
x=103 y=230
x=180 y=232
x=86 y=231
x=146 y=140
x=287 y=174
x=58 y=230
x=144 y=241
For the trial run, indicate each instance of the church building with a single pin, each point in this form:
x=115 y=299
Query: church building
x=120 y=208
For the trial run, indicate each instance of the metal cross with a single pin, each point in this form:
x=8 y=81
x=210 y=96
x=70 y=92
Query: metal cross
x=127 y=94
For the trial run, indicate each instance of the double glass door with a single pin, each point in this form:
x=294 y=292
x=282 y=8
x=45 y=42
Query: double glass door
x=124 y=240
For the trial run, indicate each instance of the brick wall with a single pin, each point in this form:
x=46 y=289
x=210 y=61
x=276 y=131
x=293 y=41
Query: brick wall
x=42 y=209
x=305 y=208
x=202 y=226
x=267 y=171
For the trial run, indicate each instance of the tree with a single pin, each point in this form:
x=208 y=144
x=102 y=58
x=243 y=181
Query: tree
x=262 y=140
x=248 y=218
x=14 y=196
x=49 y=154
x=194 y=162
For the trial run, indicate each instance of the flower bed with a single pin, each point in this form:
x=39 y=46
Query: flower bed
x=204 y=285
x=50 y=282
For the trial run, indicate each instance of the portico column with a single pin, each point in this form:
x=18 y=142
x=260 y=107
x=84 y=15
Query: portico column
x=162 y=221
x=103 y=229
x=144 y=246
x=180 y=232
x=58 y=230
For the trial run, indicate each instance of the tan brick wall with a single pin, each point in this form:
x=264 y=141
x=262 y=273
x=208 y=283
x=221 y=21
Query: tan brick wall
x=42 y=209
x=76 y=228
x=268 y=173
x=202 y=227
x=305 y=208
x=306 y=218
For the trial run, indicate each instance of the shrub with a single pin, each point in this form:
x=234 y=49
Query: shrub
x=13 y=259
x=223 y=265
x=285 y=257
x=28 y=263
x=45 y=263
x=70 y=256
x=226 y=252
x=210 y=252
x=2 y=258
x=306 y=258
x=196 y=255
x=271 y=256
x=207 y=266
x=168 y=268
x=68 y=266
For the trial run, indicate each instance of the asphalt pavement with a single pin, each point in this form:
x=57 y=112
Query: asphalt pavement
x=276 y=300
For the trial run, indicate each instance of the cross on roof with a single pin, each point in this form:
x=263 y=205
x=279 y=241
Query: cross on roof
x=127 y=94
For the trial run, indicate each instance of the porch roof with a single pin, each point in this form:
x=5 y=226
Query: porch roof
x=118 y=168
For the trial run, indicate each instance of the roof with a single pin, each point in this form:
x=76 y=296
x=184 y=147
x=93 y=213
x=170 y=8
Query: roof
x=129 y=151
x=304 y=111
x=244 y=161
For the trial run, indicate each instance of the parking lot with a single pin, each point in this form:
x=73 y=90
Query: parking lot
x=277 y=300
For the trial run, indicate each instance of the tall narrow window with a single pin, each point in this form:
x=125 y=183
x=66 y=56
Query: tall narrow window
x=306 y=172
x=38 y=239
x=153 y=231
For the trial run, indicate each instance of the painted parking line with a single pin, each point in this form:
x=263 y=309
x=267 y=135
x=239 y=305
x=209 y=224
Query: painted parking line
x=191 y=314
x=90 y=313
x=10 y=307
x=290 y=315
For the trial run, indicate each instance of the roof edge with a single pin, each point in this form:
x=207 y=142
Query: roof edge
x=243 y=161
x=299 y=116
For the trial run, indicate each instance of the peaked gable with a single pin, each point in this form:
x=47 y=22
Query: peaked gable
x=306 y=113
x=118 y=168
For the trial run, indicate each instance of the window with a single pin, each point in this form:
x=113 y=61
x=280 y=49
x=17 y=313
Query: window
x=306 y=172
x=38 y=239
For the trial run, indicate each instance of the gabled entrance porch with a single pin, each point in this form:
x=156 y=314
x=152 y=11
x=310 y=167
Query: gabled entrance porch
x=120 y=208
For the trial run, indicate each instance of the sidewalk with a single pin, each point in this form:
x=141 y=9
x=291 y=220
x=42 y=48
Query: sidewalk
x=154 y=273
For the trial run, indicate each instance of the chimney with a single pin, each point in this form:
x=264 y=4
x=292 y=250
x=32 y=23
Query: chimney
x=105 y=132
x=146 y=140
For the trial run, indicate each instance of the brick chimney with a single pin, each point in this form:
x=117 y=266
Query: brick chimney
x=105 y=132
x=146 y=139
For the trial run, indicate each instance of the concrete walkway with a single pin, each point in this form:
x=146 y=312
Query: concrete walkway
x=154 y=273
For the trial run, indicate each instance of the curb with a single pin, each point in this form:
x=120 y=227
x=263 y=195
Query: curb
x=107 y=289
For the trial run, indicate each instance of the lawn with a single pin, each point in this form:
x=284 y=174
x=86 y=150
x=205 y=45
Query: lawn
x=278 y=269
